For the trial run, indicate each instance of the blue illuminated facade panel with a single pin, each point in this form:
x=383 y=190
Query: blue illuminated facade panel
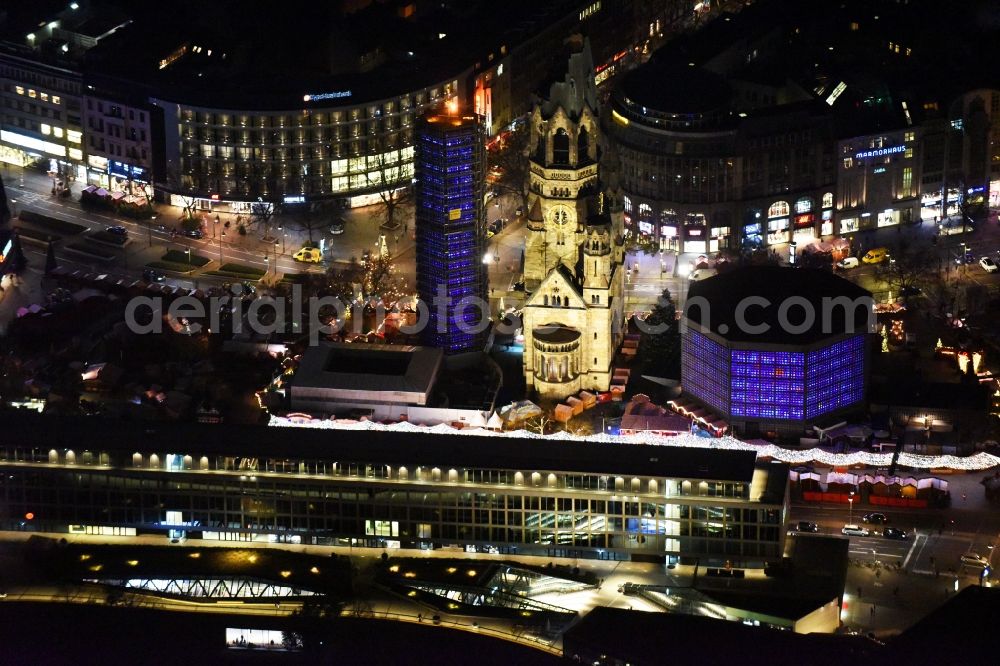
x=450 y=172
x=705 y=369
x=773 y=385
x=767 y=384
x=835 y=376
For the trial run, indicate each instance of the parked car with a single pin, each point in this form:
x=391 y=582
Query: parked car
x=910 y=290
x=703 y=273
x=875 y=255
x=988 y=265
x=875 y=518
x=311 y=255
x=895 y=533
x=149 y=275
x=806 y=526
x=855 y=530
x=193 y=233
x=848 y=262
x=337 y=227
x=974 y=560
x=118 y=230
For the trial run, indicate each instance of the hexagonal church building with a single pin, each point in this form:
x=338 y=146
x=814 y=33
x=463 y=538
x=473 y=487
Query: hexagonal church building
x=776 y=349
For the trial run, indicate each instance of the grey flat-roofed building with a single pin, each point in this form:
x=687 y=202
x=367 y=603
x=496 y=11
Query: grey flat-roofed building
x=332 y=374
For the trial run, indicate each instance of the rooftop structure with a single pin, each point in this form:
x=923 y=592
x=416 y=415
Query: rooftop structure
x=810 y=288
x=362 y=374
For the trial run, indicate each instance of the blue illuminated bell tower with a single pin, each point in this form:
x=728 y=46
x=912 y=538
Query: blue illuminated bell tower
x=450 y=172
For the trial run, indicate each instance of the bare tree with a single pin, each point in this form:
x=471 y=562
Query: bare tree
x=310 y=221
x=538 y=424
x=906 y=267
x=261 y=213
x=390 y=172
x=508 y=159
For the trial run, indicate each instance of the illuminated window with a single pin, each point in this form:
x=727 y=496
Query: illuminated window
x=75 y=154
x=32 y=94
x=56 y=99
x=778 y=209
x=45 y=97
x=907 y=180
x=74 y=136
x=19 y=90
x=57 y=132
x=828 y=200
x=46 y=129
x=908 y=136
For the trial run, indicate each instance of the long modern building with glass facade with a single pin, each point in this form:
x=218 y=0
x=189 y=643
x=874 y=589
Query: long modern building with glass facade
x=774 y=349
x=451 y=230
x=386 y=489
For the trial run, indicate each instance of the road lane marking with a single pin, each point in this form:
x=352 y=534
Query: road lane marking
x=909 y=554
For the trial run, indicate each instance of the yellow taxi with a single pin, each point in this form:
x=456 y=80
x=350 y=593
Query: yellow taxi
x=875 y=255
x=310 y=255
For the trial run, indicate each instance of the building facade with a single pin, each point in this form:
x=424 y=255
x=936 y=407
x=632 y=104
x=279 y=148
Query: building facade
x=701 y=177
x=452 y=279
x=776 y=372
x=573 y=266
x=41 y=116
x=374 y=489
x=42 y=88
x=328 y=147
x=119 y=142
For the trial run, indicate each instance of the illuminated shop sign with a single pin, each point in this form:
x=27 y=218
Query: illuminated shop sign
x=340 y=94
x=126 y=171
x=879 y=152
x=6 y=250
x=32 y=143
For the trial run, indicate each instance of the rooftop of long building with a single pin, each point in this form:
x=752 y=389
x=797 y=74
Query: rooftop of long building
x=399 y=448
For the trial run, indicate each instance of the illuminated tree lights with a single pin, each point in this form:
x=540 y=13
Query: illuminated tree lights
x=979 y=461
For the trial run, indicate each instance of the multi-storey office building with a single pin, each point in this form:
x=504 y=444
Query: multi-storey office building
x=119 y=140
x=41 y=120
x=701 y=177
x=385 y=489
x=451 y=230
x=41 y=84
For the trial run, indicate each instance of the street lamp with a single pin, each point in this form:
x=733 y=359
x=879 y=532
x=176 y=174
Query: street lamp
x=13 y=207
x=222 y=235
x=267 y=265
x=188 y=251
x=850 y=509
x=149 y=229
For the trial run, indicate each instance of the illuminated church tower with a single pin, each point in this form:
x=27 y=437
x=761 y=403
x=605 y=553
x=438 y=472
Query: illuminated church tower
x=573 y=272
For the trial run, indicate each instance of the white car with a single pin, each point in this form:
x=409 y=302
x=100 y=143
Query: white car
x=703 y=274
x=855 y=530
x=849 y=262
x=988 y=265
x=975 y=560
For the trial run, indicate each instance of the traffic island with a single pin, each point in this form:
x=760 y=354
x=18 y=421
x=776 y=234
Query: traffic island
x=237 y=271
x=176 y=261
